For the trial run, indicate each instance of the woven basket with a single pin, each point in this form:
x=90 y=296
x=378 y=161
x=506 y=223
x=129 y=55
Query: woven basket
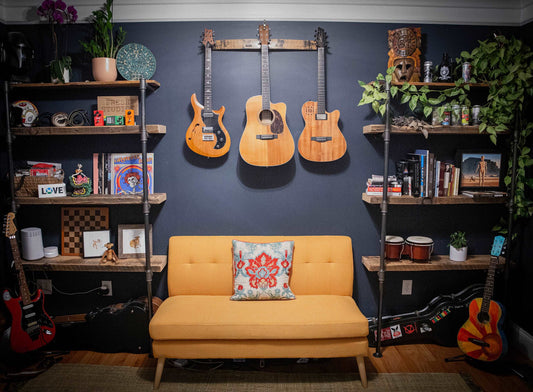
x=27 y=185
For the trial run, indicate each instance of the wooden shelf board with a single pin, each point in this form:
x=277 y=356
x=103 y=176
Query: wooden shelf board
x=156 y=198
x=444 y=200
x=153 y=84
x=88 y=130
x=432 y=130
x=441 y=85
x=76 y=263
x=437 y=263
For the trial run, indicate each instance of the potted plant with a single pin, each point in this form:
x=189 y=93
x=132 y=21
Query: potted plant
x=104 y=44
x=57 y=12
x=458 y=246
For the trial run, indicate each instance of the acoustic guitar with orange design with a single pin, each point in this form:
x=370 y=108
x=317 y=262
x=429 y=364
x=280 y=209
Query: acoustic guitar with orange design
x=481 y=337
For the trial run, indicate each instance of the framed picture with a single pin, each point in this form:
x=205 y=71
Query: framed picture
x=480 y=170
x=76 y=220
x=131 y=241
x=94 y=243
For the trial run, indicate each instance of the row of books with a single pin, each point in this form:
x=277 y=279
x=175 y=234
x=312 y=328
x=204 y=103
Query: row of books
x=121 y=173
x=437 y=178
x=374 y=186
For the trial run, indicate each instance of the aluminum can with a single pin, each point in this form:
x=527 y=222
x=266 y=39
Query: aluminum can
x=465 y=115
x=428 y=73
x=475 y=114
x=466 y=72
x=435 y=118
x=456 y=115
x=446 y=116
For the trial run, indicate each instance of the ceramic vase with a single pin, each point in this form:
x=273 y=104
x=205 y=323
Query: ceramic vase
x=458 y=254
x=104 y=69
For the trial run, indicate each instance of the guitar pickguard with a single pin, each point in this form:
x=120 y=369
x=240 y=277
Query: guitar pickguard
x=277 y=125
x=212 y=131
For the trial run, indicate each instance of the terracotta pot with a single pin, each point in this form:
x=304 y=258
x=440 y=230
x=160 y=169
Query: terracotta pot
x=104 y=69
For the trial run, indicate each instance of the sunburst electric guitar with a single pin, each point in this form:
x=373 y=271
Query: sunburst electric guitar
x=266 y=140
x=481 y=337
x=321 y=140
x=31 y=327
x=207 y=135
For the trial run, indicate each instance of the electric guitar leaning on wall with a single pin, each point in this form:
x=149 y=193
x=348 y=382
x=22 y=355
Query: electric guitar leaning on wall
x=31 y=327
x=266 y=140
x=321 y=140
x=207 y=135
x=481 y=337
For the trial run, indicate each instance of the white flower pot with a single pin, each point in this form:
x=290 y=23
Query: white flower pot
x=458 y=254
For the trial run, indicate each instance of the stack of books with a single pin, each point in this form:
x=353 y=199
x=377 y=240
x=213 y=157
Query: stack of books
x=374 y=186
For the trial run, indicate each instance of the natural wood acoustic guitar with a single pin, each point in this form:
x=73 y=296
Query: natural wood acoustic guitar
x=266 y=140
x=31 y=327
x=481 y=337
x=321 y=140
x=207 y=135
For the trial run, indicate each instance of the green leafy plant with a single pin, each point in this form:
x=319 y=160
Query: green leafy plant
x=105 y=41
x=458 y=239
x=505 y=65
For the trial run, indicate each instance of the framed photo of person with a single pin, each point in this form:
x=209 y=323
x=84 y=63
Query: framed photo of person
x=131 y=241
x=480 y=170
x=94 y=243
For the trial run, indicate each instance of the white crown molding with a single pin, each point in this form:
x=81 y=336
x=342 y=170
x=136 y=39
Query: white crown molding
x=470 y=12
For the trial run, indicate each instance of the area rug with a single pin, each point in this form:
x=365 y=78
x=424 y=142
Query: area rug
x=91 y=378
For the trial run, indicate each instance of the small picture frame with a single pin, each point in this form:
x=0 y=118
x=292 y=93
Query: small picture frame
x=480 y=170
x=94 y=243
x=131 y=241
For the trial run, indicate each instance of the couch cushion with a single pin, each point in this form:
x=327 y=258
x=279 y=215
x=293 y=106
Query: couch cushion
x=217 y=317
x=261 y=271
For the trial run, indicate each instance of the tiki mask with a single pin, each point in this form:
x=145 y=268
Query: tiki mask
x=404 y=53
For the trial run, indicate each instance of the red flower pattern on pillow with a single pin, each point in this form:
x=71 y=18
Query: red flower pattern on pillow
x=262 y=271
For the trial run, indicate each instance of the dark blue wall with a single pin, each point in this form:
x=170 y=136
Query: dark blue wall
x=227 y=196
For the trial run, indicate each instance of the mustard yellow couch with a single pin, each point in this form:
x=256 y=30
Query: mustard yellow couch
x=198 y=319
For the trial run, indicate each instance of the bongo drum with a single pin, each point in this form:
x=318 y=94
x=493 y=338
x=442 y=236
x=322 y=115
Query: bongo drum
x=393 y=247
x=419 y=248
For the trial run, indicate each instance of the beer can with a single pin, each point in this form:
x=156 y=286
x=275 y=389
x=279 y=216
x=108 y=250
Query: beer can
x=446 y=116
x=466 y=72
x=428 y=73
x=465 y=115
x=475 y=114
x=456 y=115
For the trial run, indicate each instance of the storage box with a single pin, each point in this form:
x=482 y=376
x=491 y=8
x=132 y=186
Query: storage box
x=27 y=185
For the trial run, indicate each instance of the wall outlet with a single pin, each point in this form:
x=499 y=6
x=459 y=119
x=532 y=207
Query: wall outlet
x=407 y=287
x=107 y=283
x=45 y=285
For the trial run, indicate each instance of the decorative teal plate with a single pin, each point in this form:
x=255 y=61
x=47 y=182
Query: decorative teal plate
x=135 y=61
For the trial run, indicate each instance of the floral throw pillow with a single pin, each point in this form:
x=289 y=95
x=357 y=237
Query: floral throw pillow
x=262 y=271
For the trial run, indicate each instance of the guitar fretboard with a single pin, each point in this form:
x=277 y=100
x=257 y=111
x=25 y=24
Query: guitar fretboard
x=265 y=77
x=208 y=91
x=489 y=285
x=24 y=291
x=321 y=99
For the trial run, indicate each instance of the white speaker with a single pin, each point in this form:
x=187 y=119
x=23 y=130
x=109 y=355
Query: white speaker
x=32 y=243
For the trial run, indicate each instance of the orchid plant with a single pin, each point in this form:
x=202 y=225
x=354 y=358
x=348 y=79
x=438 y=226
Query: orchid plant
x=57 y=12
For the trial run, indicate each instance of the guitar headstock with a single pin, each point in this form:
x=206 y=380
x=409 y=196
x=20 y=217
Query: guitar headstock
x=9 y=225
x=264 y=34
x=497 y=246
x=208 y=38
x=321 y=38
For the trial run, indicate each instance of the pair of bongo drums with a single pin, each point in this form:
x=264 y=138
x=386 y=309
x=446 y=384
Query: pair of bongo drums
x=416 y=248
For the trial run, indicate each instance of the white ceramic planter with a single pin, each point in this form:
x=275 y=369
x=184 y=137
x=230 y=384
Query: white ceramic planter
x=458 y=254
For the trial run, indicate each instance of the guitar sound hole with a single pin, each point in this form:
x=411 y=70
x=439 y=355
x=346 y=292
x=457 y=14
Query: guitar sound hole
x=483 y=317
x=266 y=117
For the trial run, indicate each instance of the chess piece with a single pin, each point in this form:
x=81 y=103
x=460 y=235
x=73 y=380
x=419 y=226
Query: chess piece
x=404 y=53
x=81 y=183
x=109 y=255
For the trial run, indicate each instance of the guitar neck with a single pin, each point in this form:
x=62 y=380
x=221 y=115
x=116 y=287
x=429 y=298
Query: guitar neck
x=321 y=99
x=208 y=91
x=489 y=285
x=265 y=77
x=24 y=291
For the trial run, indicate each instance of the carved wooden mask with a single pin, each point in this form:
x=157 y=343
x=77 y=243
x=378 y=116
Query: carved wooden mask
x=404 y=53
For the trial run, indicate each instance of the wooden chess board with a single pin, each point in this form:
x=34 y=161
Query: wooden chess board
x=76 y=220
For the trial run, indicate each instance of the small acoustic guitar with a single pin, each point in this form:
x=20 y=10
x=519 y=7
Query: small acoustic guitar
x=266 y=140
x=207 y=135
x=481 y=337
x=31 y=327
x=321 y=140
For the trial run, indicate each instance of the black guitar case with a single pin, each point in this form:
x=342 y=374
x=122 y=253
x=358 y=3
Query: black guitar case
x=439 y=322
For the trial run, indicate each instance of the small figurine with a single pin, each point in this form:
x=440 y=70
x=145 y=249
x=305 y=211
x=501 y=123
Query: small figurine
x=109 y=255
x=81 y=183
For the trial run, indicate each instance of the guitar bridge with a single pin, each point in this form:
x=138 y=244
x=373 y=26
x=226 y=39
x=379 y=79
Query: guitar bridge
x=320 y=139
x=208 y=137
x=266 y=137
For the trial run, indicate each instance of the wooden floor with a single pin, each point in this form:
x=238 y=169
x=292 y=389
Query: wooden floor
x=414 y=358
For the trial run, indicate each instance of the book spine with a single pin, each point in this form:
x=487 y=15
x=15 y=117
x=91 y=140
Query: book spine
x=437 y=179
x=414 y=172
x=422 y=176
x=457 y=181
x=95 y=173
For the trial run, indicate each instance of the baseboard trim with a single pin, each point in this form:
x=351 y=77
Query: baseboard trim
x=521 y=340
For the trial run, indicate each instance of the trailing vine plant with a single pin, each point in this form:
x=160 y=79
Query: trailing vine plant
x=506 y=66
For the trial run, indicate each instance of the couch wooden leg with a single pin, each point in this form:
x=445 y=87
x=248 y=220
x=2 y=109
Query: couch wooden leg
x=159 y=372
x=362 y=370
